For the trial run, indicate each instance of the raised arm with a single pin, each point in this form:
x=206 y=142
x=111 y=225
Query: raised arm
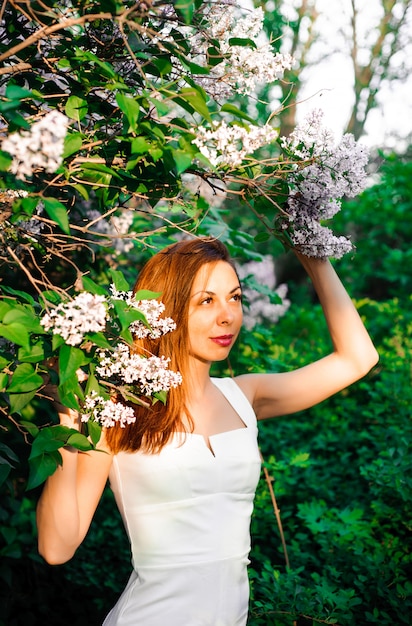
x=69 y=500
x=352 y=357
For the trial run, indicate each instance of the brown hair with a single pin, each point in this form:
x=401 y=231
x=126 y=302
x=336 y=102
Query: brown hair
x=170 y=272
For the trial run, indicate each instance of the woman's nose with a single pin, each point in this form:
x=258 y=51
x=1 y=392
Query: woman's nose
x=225 y=315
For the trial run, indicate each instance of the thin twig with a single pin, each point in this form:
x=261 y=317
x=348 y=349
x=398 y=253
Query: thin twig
x=269 y=481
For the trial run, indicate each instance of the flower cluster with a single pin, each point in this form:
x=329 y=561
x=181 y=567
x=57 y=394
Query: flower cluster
x=334 y=171
x=118 y=370
x=133 y=376
x=106 y=412
x=243 y=67
x=152 y=310
x=86 y=313
x=230 y=145
x=234 y=38
x=39 y=148
x=151 y=373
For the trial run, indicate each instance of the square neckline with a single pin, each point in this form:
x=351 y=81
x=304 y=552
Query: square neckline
x=245 y=427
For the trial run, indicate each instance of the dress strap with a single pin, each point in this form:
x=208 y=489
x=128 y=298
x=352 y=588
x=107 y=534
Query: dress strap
x=235 y=396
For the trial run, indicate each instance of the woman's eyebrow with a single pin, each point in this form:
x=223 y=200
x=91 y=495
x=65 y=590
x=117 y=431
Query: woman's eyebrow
x=212 y=293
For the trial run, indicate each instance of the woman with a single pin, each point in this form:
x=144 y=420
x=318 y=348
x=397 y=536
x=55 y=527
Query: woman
x=184 y=475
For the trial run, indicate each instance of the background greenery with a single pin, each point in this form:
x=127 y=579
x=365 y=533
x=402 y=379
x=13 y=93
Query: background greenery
x=341 y=471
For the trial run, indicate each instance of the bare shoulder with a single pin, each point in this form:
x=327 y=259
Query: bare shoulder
x=248 y=383
x=258 y=388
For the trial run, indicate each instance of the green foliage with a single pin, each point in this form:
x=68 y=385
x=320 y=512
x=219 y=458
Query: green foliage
x=346 y=513
x=381 y=227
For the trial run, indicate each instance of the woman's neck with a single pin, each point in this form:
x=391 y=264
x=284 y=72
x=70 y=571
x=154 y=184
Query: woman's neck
x=199 y=377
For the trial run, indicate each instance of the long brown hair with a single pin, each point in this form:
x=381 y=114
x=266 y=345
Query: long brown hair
x=170 y=272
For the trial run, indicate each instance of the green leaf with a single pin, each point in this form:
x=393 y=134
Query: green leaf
x=24 y=379
x=5 y=161
x=70 y=393
x=4 y=362
x=183 y=160
x=82 y=190
x=95 y=430
x=130 y=108
x=145 y=294
x=5 y=451
x=233 y=110
x=100 y=167
x=99 y=339
x=185 y=10
x=193 y=68
x=31 y=428
x=18 y=401
x=52 y=296
x=12 y=116
x=119 y=280
x=300 y=460
x=161 y=395
x=33 y=354
x=41 y=467
x=70 y=360
x=162 y=108
x=50 y=438
x=76 y=108
x=72 y=143
x=162 y=64
x=107 y=69
x=140 y=145
x=79 y=441
x=191 y=99
x=126 y=315
x=15 y=92
x=58 y=213
x=241 y=41
x=26 y=297
x=17 y=333
x=92 y=287
x=4 y=379
x=5 y=307
x=261 y=237
x=25 y=316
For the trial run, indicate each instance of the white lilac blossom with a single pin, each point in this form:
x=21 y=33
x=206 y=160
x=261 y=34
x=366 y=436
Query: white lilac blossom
x=39 y=148
x=152 y=310
x=235 y=68
x=317 y=189
x=242 y=68
x=84 y=314
x=150 y=374
x=106 y=412
x=230 y=145
x=133 y=375
x=260 y=308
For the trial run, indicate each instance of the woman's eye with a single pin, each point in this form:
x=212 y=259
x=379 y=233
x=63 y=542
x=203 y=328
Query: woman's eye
x=206 y=301
x=237 y=297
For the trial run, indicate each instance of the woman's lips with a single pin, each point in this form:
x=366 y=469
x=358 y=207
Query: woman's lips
x=223 y=340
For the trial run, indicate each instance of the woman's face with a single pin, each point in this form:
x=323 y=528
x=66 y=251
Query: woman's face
x=215 y=312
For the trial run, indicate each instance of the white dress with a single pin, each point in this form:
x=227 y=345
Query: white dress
x=187 y=512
